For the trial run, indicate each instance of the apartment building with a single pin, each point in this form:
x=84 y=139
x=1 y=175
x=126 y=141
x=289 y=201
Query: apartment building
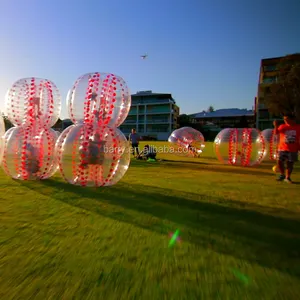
x=153 y=115
x=224 y=118
x=267 y=76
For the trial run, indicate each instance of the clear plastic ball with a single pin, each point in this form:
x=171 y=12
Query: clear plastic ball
x=33 y=100
x=271 y=140
x=2 y=132
x=29 y=153
x=240 y=146
x=187 y=141
x=99 y=98
x=92 y=156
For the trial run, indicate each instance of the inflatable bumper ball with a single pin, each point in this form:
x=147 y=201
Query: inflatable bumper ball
x=240 y=147
x=94 y=152
x=271 y=140
x=99 y=98
x=92 y=157
x=29 y=154
x=33 y=105
x=33 y=100
x=187 y=141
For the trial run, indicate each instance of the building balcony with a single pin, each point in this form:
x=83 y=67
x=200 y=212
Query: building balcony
x=157 y=130
x=270 y=67
x=134 y=113
x=154 y=112
x=263 y=85
x=158 y=122
x=151 y=102
x=261 y=106
x=129 y=122
x=269 y=80
x=134 y=122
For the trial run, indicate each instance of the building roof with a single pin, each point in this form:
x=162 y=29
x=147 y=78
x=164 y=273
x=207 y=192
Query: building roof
x=221 y=113
x=266 y=61
x=147 y=97
x=271 y=59
x=149 y=93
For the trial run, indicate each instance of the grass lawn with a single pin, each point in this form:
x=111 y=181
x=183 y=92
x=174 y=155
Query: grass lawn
x=239 y=235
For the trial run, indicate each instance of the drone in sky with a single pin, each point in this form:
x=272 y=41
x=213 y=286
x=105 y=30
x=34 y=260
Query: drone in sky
x=144 y=56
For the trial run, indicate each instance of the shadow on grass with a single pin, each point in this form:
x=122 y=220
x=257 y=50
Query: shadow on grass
x=271 y=241
x=143 y=163
x=187 y=162
x=264 y=169
x=218 y=168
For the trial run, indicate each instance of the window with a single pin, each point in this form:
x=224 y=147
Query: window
x=141 y=129
x=141 y=118
x=270 y=68
x=267 y=90
x=270 y=79
x=264 y=114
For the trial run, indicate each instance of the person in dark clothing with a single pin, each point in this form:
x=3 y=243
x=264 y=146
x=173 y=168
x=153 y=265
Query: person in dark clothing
x=134 y=138
x=94 y=154
x=148 y=153
x=32 y=159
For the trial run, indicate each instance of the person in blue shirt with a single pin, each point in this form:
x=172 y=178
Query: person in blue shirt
x=134 y=138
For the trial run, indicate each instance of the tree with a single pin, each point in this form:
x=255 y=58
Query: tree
x=284 y=96
x=184 y=120
x=243 y=123
x=210 y=109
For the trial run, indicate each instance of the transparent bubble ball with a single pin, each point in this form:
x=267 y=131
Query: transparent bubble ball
x=29 y=153
x=272 y=141
x=92 y=156
x=240 y=146
x=100 y=98
x=32 y=100
x=187 y=141
x=2 y=132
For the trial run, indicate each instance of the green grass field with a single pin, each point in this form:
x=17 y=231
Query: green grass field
x=239 y=235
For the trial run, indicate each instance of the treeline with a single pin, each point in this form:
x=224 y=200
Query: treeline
x=8 y=124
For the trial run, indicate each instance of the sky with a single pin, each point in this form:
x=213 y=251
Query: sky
x=202 y=52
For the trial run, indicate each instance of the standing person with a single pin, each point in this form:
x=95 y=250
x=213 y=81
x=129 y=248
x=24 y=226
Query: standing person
x=32 y=159
x=37 y=107
x=134 y=138
x=288 y=147
x=192 y=150
x=94 y=153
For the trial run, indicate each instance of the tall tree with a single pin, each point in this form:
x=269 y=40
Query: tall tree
x=184 y=120
x=284 y=96
x=211 y=109
x=243 y=123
